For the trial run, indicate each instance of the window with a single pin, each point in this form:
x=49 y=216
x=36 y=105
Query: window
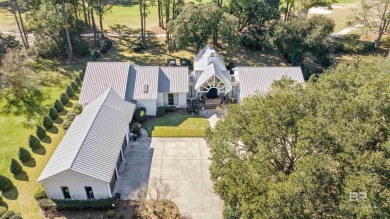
x=89 y=192
x=146 y=88
x=233 y=79
x=191 y=78
x=65 y=192
x=171 y=99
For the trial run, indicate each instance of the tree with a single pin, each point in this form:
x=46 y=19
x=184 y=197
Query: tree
x=53 y=114
x=15 y=168
x=24 y=155
x=374 y=14
x=33 y=142
x=58 y=106
x=69 y=91
x=295 y=38
x=101 y=8
x=298 y=152
x=15 y=9
x=47 y=122
x=196 y=24
x=68 y=40
x=40 y=132
x=144 y=11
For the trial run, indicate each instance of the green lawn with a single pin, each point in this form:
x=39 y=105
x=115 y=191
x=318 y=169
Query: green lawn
x=15 y=129
x=177 y=125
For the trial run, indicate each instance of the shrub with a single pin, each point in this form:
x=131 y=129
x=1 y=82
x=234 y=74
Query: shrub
x=53 y=114
x=41 y=132
x=110 y=213
x=3 y=210
x=109 y=42
x=24 y=155
x=77 y=108
x=40 y=193
x=140 y=114
x=47 y=122
x=66 y=124
x=11 y=215
x=58 y=106
x=78 y=80
x=5 y=184
x=104 y=49
x=33 y=142
x=107 y=45
x=170 y=109
x=160 y=111
x=98 y=204
x=81 y=75
x=368 y=46
x=136 y=48
x=136 y=128
x=74 y=85
x=71 y=115
x=15 y=168
x=359 y=49
x=96 y=54
x=69 y=91
x=64 y=98
x=229 y=213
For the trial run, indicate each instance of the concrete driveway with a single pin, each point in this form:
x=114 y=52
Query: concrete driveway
x=180 y=162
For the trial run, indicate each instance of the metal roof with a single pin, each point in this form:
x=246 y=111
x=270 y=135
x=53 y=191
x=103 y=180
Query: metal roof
x=139 y=77
x=205 y=54
x=173 y=79
x=92 y=143
x=260 y=79
x=210 y=71
x=99 y=76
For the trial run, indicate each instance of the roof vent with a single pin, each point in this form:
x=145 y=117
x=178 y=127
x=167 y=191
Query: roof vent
x=146 y=88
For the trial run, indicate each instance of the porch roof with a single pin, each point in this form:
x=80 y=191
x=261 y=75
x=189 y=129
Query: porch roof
x=212 y=70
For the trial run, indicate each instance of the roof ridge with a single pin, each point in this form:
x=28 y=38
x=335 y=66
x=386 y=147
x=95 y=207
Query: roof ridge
x=89 y=128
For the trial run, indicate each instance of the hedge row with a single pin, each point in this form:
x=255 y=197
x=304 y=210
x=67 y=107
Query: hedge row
x=357 y=48
x=106 y=46
x=60 y=204
x=163 y=109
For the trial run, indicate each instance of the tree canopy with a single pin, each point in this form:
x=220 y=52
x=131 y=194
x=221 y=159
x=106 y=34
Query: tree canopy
x=319 y=151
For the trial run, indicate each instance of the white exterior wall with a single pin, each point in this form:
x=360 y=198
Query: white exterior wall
x=182 y=100
x=160 y=99
x=150 y=105
x=75 y=182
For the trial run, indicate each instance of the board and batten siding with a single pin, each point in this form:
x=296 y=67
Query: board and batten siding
x=150 y=105
x=76 y=183
x=179 y=99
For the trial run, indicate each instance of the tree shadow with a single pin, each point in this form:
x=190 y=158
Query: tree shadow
x=22 y=176
x=41 y=150
x=11 y=194
x=53 y=130
x=63 y=113
x=30 y=163
x=75 y=97
x=69 y=105
x=58 y=121
x=46 y=139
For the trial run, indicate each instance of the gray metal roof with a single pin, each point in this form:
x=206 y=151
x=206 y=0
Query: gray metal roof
x=260 y=79
x=92 y=143
x=203 y=55
x=173 y=79
x=139 y=77
x=99 y=76
x=210 y=71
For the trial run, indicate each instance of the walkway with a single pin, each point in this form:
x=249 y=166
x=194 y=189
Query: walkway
x=180 y=162
x=211 y=115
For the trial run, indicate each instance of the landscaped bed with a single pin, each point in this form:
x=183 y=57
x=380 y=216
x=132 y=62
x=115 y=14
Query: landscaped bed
x=177 y=125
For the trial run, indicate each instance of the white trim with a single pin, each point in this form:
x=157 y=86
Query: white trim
x=109 y=190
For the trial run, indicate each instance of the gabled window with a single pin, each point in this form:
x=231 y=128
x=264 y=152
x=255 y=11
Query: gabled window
x=146 y=88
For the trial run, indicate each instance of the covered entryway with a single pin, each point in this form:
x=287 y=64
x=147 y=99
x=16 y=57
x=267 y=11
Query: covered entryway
x=213 y=93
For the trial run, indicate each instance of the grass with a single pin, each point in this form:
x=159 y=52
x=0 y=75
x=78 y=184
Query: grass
x=51 y=79
x=177 y=125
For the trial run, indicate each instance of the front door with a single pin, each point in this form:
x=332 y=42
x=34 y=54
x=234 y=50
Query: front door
x=171 y=99
x=213 y=93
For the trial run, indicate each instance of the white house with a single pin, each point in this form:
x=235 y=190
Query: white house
x=85 y=163
x=154 y=86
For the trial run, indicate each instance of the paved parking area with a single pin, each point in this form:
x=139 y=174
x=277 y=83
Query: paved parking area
x=180 y=162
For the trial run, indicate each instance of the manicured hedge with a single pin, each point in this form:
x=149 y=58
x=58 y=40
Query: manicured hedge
x=24 y=155
x=53 y=114
x=82 y=74
x=98 y=204
x=64 y=98
x=69 y=91
x=140 y=114
x=5 y=184
x=170 y=109
x=47 y=122
x=74 y=85
x=136 y=128
x=58 y=106
x=33 y=142
x=78 y=80
x=160 y=111
x=41 y=132
x=15 y=168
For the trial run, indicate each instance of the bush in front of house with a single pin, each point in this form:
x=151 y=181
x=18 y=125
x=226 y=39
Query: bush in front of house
x=140 y=114
x=53 y=114
x=66 y=124
x=11 y=215
x=104 y=49
x=33 y=142
x=24 y=155
x=69 y=91
x=47 y=122
x=5 y=184
x=82 y=74
x=74 y=86
x=64 y=98
x=170 y=109
x=40 y=193
x=61 y=204
x=160 y=111
x=110 y=213
x=136 y=128
x=41 y=132
x=77 y=108
x=71 y=115
x=58 y=106
x=15 y=168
